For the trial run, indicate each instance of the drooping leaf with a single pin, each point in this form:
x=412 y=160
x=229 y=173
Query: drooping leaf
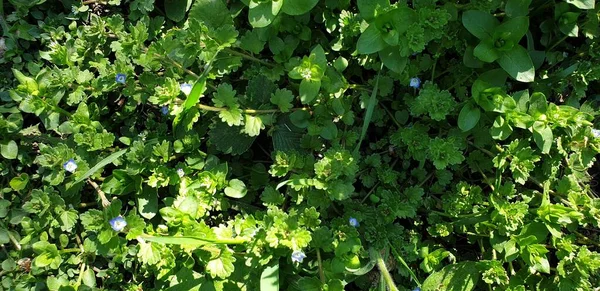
x=101 y=165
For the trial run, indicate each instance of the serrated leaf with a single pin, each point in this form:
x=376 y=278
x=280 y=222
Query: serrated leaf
x=229 y=139
x=213 y=13
x=283 y=99
x=458 y=277
x=253 y=125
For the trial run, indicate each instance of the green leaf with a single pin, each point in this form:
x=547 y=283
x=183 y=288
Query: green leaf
x=368 y=8
x=147 y=202
x=512 y=30
x=329 y=131
x=175 y=9
x=480 y=24
x=369 y=112
x=568 y=23
x=232 y=116
x=486 y=51
x=19 y=182
x=68 y=220
x=283 y=99
x=236 y=189
x=89 y=277
x=458 y=277
x=517 y=63
x=468 y=117
x=195 y=94
x=370 y=41
x=230 y=139
x=253 y=125
x=262 y=13
x=392 y=59
x=583 y=4
x=542 y=135
x=190 y=240
x=101 y=165
x=309 y=89
x=10 y=150
x=269 y=278
x=30 y=83
x=213 y=13
x=298 y=7
x=221 y=263
x=501 y=130
x=515 y=8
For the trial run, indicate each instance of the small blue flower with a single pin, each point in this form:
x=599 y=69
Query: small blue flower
x=118 y=223
x=180 y=172
x=415 y=82
x=185 y=88
x=417 y=289
x=298 y=256
x=353 y=221
x=70 y=166
x=121 y=78
x=164 y=110
x=596 y=132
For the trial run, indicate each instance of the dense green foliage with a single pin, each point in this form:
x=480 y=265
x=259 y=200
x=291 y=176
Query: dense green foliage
x=299 y=145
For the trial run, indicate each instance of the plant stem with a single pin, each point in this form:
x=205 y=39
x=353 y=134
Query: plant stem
x=71 y=250
x=399 y=258
x=101 y=195
x=385 y=273
x=249 y=57
x=321 y=274
x=248 y=111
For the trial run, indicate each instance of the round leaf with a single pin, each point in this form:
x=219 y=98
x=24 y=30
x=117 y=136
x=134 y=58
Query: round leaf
x=468 y=117
x=236 y=189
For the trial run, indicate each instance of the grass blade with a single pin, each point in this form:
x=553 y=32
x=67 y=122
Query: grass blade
x=369 y=113
x=101 y=165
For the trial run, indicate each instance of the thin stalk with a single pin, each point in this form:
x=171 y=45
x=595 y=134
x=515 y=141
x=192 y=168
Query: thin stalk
x=385 y=273
x=321 y=274
x=249 y=57
x=248 y=111
x=401 y=260
x=101 y=195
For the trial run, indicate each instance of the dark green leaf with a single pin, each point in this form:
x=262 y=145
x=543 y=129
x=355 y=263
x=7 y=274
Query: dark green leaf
x=370 y=41
x=213 y=13
x=501 y=130
x=298 y=7
x=517 y=63
x=486 y=51
x=175 y=9
x=101 y=165
x=309 y=89
x=392 y=59
x=368 y=8
x=458 y=277
x=516 y=8
x=264 y=13
x=480 y=24
x=468 y=117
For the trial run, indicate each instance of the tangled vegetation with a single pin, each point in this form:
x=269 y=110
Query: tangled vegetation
x=299 y=145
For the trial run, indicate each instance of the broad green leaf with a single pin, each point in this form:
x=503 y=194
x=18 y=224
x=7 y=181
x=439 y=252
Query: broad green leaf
x=392 y=59
x=368 y=8
x=101 y=165
x=583 y=4
x=213 y=13
x=568 y=23
x=329 y=131
x=236 y=189
x=89 y=277
x=468 y=117
x=261 y=14
x=300 y=118
x=512 y=30
x=30 y=83
x=469 y=59
x=298 y=7
x=147 y=201
x=457 y=277
x=542 y=135
x=269 y=278
x=538 y=105
x=370 y=41
x=19 y=182
x=253 y=125
x=486 y=51
x=9 y=150
x=501 y=130
x=369 y=112
x=230 y=139
x=175 y=9
x=480 y=24
x=516 y=8
x=517 y=63
x=309 y=89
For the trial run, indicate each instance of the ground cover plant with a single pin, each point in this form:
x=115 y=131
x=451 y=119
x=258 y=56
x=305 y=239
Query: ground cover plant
x=299 y=145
